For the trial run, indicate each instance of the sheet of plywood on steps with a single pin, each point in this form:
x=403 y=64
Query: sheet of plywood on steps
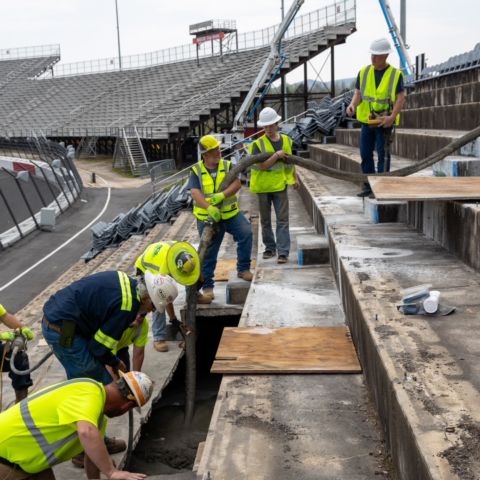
x=225 y=266
x=286 y=350
x=425 y=188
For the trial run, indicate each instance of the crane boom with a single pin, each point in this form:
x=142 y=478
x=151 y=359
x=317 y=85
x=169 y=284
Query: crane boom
x=398 y=41
x=268 y=66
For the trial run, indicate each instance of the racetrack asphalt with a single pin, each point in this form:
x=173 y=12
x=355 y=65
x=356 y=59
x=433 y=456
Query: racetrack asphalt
x=20 y=256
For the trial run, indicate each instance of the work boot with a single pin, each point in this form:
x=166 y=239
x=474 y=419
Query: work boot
x=113 y=445
x=209 y=292
x=160 y=345
x=204 y=299
x=20 y=394
x=247 y=275
x=268 y=254
x=282 y=259
x=366 y=191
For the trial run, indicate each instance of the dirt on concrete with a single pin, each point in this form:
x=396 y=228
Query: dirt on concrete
x=464 y=457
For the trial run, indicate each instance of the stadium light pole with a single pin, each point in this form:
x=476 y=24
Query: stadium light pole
x=118 y=37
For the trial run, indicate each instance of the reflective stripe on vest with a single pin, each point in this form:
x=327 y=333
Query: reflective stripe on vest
x=229 y=206
x=279 y=175
x=50 y=449
x=126 y=291
x=375 y=98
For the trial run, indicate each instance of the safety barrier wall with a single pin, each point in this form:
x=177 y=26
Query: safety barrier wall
x=34 y=173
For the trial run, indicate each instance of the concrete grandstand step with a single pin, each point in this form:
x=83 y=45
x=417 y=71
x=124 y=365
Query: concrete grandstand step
x=465 y=116
x=422 y=371
x=447 y=80
x=457 y=166
x=454 y=95
x=414 y=144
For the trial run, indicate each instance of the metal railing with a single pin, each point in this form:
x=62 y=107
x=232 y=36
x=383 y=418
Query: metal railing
x=340 y=12
x=36 y=173
x=30 y=52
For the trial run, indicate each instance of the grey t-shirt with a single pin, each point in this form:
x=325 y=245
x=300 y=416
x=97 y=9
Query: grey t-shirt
x=277 y=146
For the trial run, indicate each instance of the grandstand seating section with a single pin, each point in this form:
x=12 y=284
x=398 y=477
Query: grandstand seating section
x=158 y=100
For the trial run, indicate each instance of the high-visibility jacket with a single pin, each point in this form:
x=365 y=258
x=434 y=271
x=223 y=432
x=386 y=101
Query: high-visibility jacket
x=3 y=310
x=229 y=207
x=279 y=175
x=377 y=99
x=154 y=258
x=41 y=430
x=102 y=306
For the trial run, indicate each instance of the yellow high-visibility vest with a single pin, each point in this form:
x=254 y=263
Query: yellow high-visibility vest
x=154 y=258
x=279 y=175
x=41 y=430
x=229 y=207
x=377 y=99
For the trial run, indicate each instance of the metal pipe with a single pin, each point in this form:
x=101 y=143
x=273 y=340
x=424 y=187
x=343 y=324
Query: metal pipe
x=118 y=36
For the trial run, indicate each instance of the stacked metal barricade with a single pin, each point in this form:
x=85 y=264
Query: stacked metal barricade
x=323 y=117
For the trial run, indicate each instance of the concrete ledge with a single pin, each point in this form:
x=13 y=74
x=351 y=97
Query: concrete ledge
x=237 y=290
x=454 y=225
x=312 y=250
x=464 y=116
x=457 y=166
x=414 y=144
x=422 y=372
x=452 y=95
x=385 y=212
x=448 y=80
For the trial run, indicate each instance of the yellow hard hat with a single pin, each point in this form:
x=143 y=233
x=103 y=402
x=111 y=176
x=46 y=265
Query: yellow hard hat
x=208 y=142
x=183 y=263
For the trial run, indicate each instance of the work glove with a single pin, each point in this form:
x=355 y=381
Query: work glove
x=214 y=213
x=217 y=198
x=27 y=333
x=7 y=336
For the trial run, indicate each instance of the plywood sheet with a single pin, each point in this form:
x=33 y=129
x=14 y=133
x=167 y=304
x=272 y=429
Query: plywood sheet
x=425 y=188
x=252 y=350
x=225 y=267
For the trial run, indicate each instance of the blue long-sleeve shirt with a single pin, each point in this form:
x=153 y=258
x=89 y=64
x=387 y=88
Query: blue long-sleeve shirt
x=102 y=306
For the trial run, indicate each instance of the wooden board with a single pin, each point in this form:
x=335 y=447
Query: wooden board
x=286 y=350
x=225 y=267
x=425 y=188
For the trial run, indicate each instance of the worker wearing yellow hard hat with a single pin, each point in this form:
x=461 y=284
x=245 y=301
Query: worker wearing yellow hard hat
x=180 y=261
x=211 y=203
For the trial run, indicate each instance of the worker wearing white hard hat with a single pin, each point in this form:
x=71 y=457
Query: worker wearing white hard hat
x=378 y=99
x=269 y=180
x=71 y=415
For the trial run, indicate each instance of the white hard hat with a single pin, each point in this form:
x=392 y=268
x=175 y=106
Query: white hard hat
x=381 y=46
x=161 y=289
x=140 y=386
x=268 y=116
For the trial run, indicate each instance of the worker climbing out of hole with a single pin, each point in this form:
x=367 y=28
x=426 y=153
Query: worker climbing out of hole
x=179 y=260
x=270 y=180
x=211 y=204
x=57 y=423
x=20 y=383
x=84 y=322
x=378 y=99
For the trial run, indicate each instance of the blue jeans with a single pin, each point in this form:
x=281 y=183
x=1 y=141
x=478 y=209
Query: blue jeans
x=280 y=205
x=77 y=360
x=19 y=382
x=372 y=138
x=241 y=230
x=159 y=326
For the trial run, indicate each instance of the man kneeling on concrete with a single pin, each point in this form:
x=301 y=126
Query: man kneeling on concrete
x=60 y=421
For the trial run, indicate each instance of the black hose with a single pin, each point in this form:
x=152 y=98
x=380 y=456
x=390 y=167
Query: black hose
x=30 y=370
x=130 y=438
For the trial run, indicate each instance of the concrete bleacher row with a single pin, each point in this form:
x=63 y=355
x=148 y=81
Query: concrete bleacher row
x=159 y=100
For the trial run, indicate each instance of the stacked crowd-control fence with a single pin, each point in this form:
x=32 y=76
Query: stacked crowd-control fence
x=35 y=173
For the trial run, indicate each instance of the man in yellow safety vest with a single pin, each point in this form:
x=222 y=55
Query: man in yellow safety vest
x=180 y=261
x=269 y=180
x=213 y=204
x=59 y=422
x=378 y=99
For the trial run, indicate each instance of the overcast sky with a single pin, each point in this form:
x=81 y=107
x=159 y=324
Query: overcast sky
x=86 y=29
